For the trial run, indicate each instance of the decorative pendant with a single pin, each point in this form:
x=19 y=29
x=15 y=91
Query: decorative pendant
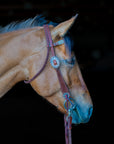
x=55 y=63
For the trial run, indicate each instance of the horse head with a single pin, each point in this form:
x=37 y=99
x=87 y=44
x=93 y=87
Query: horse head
x=47 y=84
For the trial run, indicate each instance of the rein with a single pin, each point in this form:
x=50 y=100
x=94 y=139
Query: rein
x=55 y=63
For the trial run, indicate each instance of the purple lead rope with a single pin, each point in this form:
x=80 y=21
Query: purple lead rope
x=68 y=127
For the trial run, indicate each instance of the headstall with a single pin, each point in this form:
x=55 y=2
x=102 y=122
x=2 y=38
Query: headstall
x=69 y=103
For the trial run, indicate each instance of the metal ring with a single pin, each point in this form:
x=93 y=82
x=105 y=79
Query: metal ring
x=66 y=95
x=71 y=104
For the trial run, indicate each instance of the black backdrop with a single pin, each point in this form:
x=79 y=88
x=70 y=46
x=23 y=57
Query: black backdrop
x=27 y=117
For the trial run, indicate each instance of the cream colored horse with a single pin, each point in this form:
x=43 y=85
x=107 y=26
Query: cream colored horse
x=22 y=54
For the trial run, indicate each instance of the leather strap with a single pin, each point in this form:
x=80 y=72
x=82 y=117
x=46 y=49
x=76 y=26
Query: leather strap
x=47 y=56
x=63 y=86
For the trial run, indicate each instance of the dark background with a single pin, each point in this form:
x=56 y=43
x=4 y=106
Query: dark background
x=27 y=117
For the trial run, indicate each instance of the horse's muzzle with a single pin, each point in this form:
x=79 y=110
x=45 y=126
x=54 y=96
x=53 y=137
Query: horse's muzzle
x=81 y=116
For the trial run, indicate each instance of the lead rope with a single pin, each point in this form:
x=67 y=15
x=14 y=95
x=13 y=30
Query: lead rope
x=64 y=89
x=68 y=136
x=68 y=127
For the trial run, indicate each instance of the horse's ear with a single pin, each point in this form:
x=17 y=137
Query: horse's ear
x=63 y=27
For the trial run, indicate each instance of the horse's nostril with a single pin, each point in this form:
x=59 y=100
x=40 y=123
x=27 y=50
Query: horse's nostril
x=90 y=112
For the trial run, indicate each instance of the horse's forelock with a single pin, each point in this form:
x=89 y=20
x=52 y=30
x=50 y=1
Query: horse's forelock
x=68 y=43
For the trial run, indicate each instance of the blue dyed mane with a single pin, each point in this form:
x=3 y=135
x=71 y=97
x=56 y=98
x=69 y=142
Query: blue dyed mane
x=38 y=20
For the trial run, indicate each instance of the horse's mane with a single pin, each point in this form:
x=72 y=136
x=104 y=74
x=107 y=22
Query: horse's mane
x=38 y=20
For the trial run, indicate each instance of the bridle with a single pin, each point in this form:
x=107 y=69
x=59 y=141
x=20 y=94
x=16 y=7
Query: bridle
x=69 y=103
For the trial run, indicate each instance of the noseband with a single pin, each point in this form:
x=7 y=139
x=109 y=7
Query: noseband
x=69 y=104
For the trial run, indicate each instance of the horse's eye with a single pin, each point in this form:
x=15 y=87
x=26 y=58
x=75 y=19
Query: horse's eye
x=70 y=61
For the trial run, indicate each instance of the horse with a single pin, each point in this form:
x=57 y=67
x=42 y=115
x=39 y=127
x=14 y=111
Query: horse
x=23 y=50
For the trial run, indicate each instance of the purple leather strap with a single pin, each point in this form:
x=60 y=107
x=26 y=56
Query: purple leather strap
x=38 y=73
x=63 y=87
x=48 y=40
x=48 y=37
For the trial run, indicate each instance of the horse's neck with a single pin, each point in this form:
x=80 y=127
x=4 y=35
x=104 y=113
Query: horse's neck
x=15 y=50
